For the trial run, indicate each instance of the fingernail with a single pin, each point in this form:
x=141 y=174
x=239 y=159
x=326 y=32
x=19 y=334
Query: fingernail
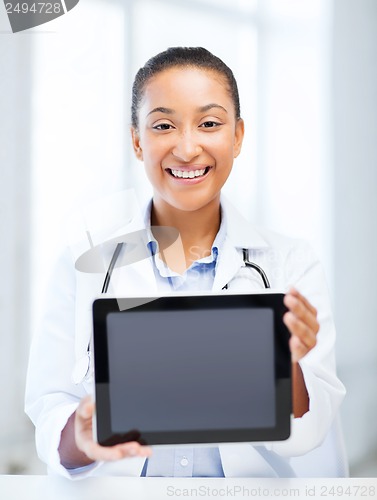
x=290 y=301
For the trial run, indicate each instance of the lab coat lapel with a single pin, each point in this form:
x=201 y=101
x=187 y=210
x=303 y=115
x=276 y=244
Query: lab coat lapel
x=229 y=263
x=239 y=230
x=134 y=279
x=240 y=234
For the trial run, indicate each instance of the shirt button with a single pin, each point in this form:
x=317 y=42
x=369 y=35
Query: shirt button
x=184 y=462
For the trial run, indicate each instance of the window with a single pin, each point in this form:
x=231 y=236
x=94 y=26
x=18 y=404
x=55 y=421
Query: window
x=278 y=50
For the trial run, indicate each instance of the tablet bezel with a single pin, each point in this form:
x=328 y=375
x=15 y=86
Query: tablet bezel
x=283 y=397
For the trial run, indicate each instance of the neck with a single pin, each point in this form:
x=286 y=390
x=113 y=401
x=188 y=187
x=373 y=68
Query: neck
x=197 y=229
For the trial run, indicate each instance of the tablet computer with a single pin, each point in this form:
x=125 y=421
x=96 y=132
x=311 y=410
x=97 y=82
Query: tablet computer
x=192 y=369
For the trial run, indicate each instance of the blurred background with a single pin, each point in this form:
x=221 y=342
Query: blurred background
x=307 y=74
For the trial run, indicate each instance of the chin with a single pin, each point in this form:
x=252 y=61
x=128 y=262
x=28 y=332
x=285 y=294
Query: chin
x=193 y=203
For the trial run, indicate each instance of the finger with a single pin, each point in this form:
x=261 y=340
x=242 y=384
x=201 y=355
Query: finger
x=298 y=349
x=301 y=311
x=300 y=329
x=117 y=452
x=293 y=291
x=85 y=409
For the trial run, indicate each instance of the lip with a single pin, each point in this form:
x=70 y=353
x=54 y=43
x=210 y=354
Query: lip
x=188 y=168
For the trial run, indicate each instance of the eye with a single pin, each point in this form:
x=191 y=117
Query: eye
x=163 y=126
x=210 y=124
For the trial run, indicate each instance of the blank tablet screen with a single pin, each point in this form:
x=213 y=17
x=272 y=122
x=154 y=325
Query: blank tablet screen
x=191 y=369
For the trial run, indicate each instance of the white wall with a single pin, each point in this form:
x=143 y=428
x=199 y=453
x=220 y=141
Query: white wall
x=14 y=239
x=354 y=98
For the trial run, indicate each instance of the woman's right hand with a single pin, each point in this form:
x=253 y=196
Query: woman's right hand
x=77 y=447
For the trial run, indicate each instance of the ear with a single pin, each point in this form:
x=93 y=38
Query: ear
x=136 y=144
x=238 y=137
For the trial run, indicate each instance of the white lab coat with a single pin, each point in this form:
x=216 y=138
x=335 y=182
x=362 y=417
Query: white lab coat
x=58 y=360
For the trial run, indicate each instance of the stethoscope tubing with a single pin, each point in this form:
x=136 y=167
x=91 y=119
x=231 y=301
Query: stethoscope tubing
x=111 y=267
x=245 y=256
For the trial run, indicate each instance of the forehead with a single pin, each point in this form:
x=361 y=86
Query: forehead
x=188 y=84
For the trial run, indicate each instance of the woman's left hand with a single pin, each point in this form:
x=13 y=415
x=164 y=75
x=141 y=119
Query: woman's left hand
x=301 y=321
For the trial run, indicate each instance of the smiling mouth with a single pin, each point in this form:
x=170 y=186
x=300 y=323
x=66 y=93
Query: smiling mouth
x=188 y=174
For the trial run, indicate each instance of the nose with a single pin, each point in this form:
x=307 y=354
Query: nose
x=187 y=147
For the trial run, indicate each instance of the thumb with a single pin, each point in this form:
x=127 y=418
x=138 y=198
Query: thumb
x=85 y=409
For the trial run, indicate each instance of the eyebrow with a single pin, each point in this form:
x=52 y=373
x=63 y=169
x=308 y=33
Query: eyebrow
x=207 y=107
x=202 y=109
x=168 y=111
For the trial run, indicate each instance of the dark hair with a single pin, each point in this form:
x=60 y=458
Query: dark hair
x=177 y=57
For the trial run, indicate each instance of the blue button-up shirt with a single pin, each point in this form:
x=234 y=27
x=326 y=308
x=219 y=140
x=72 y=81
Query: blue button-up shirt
x=186 y=462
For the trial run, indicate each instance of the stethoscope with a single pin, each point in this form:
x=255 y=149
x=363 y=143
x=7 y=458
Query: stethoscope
x=245 y=255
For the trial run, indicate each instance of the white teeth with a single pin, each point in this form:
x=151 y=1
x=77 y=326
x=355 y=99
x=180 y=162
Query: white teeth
x=185 y=174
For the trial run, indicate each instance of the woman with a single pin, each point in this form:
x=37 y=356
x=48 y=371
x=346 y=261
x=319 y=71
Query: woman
x=187 y=130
